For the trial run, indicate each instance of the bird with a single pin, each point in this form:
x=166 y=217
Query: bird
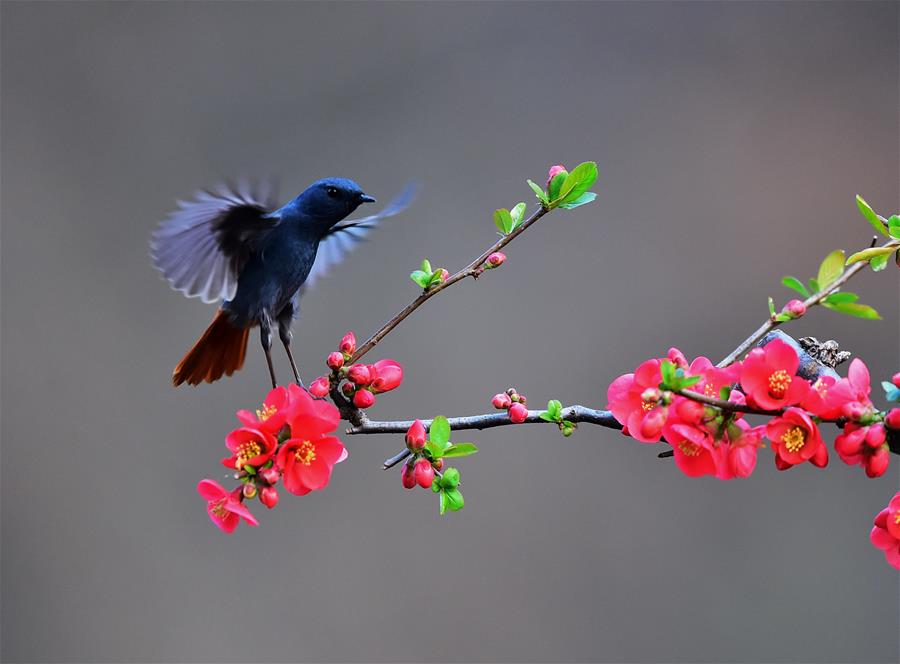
x=231 y=245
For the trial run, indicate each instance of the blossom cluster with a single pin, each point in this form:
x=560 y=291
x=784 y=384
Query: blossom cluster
x=699 y=409
x=513 y=403
x=885 y=533
x=358 y=382
x=288 y=439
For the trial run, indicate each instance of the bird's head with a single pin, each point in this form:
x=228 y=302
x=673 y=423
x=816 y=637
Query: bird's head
x=332 y=199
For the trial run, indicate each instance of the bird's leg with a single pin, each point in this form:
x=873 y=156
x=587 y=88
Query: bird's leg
x=284 y=331
x=265 y=336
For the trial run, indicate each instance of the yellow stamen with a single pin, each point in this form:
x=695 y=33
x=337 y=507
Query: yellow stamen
x=688 y=448
x=794 y=439
x=779 y=382
x=306 y=453
x=264 y=413
x=218 y=508
x=245 y=452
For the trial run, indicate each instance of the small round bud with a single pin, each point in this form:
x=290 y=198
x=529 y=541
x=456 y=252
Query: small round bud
x=652 y=423
x=348 y=344
x=408 y=475
x=444 y=274
x=438 y=465
x=876 y=435
x=424 y=473
x=360 y=374
x=363 y=399
x=689 y=410
x=518 y=413
x=269 y=496
x=520 y=398
x=795 y=308
x=415 y=437
x=249 y=490
x=348 y=389
x=877 y=463
x=335 y=360
x=501 y=401
x=319 y=387
x=895 y=379
x=554 y=171
x=496 y=259
x=270 y=475
x=853 y=411
x=677 y=358
x=892 y=419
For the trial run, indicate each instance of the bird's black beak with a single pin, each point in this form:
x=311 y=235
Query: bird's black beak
x=365 y=198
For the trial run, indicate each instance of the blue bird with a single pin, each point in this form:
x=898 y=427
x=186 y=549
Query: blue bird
x=232 y=246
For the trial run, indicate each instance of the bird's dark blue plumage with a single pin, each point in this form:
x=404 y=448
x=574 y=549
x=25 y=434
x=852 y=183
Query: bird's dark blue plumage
x=231 y=246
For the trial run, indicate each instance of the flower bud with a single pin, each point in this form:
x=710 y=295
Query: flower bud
x=408 y=475
x=249 y=490
x=415 y=437
x=501 y=401
x=348 y=344
x=517 y=413
x=363 y=399
x=795 y=308
x=554 y=171
x=689 y=410
x=876 y=436
x=652 y=423
x=424 y=473
x=895 y=379
x=849 y=444
x=387 y=375
x=877 y=463
x=335 y=360
x=853 y=411
x=892 y=419
x=270 y=475
x=269 y=496
x=677 y=358
x=496 y=259
x=348 y=389
x=360 y=374
x=438 y=464
x=444 y=274
x=651 y=395
x=319 y=387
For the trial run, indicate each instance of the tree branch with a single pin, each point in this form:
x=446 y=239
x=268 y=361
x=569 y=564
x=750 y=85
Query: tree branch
x=473 y=269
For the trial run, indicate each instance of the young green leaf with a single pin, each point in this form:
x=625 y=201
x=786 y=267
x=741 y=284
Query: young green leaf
x=841 y=298
x=894 y=226
x=667 y=371
x=426 y=266
x=813 y=285
x=870 y=216
x=555 y=185
x=795 y=284
x=542 y=197
x=435 y=279
x=878 y=263
x=577 y=182
x=771 y=307
x=503 y=221
x=439 y=431
x=458 y=450
x=854 y=309
x=517 y=214
x=868 y=254
x=587 y=197
x=453 y=500
x=831 y=268
x=450 y=479
x=689 y=381
x=420 y=278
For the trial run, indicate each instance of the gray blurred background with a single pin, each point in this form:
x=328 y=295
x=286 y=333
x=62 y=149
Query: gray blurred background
x=731 y=140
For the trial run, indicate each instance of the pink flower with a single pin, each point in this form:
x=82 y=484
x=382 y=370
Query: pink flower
x=335 y=360
x=360 y=374
x=713 y=379
x=495 y=259
x=272 y=415
x=224 y=508
x=319 y=387
x=795 y=308
x=769 y=377
x=415 y=437
x=307 y=464
x=424 y=473
x=864 y=446
x=692 y=445
x=885 y=534
x=268 y=496
x=851 y=394
x=625 y=396
x=518 y=413
x=501 y=401
x=821 y=400
x=408 y=475
x=554 y=171
x=363 y=399
x=249 y=447
x=348 y=344
x=387 y=376
x=795 y=439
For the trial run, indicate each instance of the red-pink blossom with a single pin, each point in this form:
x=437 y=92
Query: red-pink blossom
x=864 y=446
x=348 y=344
x=895 y=379
x=518 y=413
x=268 y=496
x=625 y=397
x=795 y=308
x=424 y=473
x=387 y=376
x=712 y=378
x=319 y=387
x=408 y=475
x=360 y=374
x=224 y=507
x=795 y=438
x=501 y=401
x=306 y=465
x=363 y=399
x=851 y=394
x=249 y=447
x=892 y=419
x=415 y=436
x=335 y=360
x=885 y=534
x=769 y=377
x=496 y=259
x=271 y=415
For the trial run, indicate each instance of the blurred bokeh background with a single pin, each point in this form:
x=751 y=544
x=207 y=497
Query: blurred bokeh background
x=731 y=140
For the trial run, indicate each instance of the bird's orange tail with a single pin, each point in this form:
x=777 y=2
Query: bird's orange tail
x=219 y=351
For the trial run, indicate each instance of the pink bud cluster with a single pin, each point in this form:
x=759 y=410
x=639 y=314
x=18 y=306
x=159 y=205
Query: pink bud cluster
x=418 y=470
x=495 y=259
x=513 y=403
x=358 y=382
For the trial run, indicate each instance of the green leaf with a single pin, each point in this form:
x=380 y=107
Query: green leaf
x=795 y=284
x=783 y=317
x=894 y=226
x=813 y=285
x=854 y=309
x=458 y=450
x=542 y=197
x=868 y=254
x=450 y=479
x=831 y=268
x=689 y=381
x=421 y=278
x=443 y=498
x=517 y=214
x=587 y=197
x=435 y=278
x=547 y=417
x=556 y=184
x=554 y=407
x=870 y=215
x=439 y=431
x=841 y=298
x=577 y=182
x=426 y=266
x=453 y=499
x=250 y=470
x=879 y=262
x=503 y=221
x=771 y=307
x=667 y=371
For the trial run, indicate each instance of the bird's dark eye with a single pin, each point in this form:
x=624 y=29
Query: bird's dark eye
x=331 y=191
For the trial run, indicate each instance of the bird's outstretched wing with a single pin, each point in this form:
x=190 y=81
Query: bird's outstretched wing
x=202 y=246
x=343 y=237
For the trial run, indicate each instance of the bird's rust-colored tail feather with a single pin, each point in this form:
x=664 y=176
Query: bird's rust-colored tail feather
x=220 y=351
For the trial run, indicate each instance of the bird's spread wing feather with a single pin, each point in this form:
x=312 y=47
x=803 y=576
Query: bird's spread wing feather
x=344 y=237
x=201 y=247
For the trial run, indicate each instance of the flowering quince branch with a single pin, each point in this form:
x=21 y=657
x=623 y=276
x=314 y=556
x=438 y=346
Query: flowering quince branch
x=701 y=411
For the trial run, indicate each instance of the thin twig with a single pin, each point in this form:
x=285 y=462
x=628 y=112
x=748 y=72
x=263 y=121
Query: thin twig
x=812 y=300
x=473 y=269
